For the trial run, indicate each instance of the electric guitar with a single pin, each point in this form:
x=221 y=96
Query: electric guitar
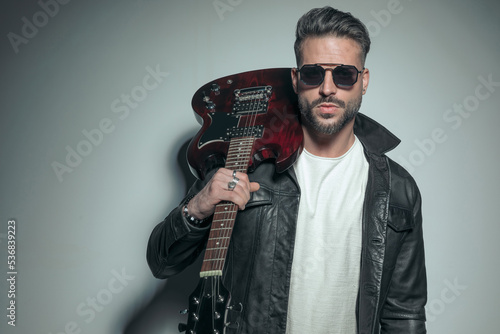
x=246 y=118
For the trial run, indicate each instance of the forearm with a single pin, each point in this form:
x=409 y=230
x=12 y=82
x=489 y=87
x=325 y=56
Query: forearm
x=404 y=307
x=174 y=244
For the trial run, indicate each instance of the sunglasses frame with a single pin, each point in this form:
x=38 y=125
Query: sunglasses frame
x=321 y=65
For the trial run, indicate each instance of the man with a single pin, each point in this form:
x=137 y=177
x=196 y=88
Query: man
x=334 y=244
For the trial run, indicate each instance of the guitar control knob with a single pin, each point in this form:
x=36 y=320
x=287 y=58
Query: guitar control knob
x=214 y=87
x=182 y=327
x=210 y=105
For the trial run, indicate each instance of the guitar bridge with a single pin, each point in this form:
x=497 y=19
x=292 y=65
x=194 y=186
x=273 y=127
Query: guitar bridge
x=252 y=100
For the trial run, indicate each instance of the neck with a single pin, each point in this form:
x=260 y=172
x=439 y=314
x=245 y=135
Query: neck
x=329 y=146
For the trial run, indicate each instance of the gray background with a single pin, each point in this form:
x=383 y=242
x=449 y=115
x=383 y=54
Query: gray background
x=76 y=232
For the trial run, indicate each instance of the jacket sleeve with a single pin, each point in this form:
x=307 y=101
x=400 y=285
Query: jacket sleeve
x=403 y=310
x=174 y=244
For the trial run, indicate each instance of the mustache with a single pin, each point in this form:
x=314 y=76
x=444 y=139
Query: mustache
x=329 y=99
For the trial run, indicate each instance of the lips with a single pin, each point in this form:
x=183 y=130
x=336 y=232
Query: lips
x=328 y=108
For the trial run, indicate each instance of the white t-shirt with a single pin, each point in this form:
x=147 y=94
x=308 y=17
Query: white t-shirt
x=327 y=252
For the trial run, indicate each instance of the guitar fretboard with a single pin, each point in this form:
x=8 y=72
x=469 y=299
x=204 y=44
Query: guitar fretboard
x=238 y=159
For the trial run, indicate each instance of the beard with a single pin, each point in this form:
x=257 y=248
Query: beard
x=350 y=111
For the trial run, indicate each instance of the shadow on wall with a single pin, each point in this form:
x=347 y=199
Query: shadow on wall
x=161 y=314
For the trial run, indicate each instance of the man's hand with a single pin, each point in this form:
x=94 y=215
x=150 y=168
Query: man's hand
x=216 y=190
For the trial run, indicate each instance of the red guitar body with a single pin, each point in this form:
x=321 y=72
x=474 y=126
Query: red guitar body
x=259 y=104
x=246 y=118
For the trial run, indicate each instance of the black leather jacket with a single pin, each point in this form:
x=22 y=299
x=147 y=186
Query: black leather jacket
x=392 y=285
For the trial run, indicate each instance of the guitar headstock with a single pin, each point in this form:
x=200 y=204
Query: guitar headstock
x=208 y=307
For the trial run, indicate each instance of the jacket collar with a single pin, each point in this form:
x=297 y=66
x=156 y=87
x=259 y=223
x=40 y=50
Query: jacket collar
x=375 y=137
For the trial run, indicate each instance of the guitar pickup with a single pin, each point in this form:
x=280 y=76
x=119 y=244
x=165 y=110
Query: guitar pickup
x=252 y=100
x=250 y=107
x=250 y=131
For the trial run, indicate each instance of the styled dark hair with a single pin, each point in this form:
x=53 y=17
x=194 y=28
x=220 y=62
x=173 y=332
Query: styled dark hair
x=328 y=21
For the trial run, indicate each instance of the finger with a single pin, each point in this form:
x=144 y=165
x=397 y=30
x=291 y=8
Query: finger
x=240 y=194
x=240 y=197
x=227 y=172
x=243 y=180
x=254 y=186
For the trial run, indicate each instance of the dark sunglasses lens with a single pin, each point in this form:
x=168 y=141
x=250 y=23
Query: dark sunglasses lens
x=345 y=75
x=312 y=75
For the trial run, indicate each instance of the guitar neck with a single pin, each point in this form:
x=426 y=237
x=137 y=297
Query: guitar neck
x=238 y=159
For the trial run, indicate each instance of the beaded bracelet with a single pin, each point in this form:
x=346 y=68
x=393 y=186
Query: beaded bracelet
x=188 y=217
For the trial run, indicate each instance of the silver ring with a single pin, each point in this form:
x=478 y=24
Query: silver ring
x=234 y=174
x=232 y=184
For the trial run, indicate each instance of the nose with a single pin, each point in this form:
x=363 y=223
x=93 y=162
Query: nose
x=328 y=87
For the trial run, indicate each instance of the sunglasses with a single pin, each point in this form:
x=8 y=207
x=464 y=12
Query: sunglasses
x=343 y=75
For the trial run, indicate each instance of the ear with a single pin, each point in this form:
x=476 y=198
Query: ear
x=365 y=78
x=295 y=79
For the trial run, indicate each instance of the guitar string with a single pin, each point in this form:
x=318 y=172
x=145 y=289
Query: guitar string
x=239 y=165
x=242 y=160
x=221 y=219
x=229 y=210
x=214 y=299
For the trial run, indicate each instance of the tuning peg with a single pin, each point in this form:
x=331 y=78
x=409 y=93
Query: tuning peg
x=182 y=327
x=185 y=311
x=237 y=308
x=232 y=325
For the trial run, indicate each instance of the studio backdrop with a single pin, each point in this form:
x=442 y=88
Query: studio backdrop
x=95 y=104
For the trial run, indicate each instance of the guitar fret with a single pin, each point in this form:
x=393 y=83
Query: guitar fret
x=217 y=241
x=215 y=248
x=227 y=214
x=218 y=259
x=240 y=149
x=248 y=147
x=238 y=155
x=237 y=158
x=230 y=160
x=236 y=161
x=222 y=220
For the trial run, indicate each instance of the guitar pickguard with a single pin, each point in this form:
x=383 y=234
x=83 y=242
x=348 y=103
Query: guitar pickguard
x=224 y=126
